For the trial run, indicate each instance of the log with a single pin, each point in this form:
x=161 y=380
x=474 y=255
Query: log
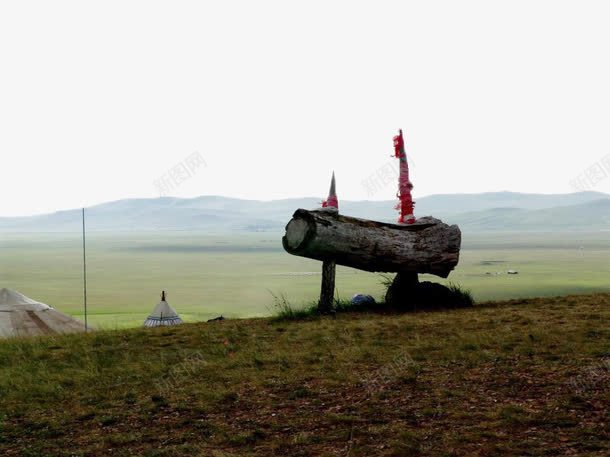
x=427 y=246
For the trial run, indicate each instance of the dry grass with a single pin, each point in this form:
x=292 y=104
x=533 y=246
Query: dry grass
x=524 y=377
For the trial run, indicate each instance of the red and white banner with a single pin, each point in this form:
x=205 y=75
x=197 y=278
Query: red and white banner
x=406 y=203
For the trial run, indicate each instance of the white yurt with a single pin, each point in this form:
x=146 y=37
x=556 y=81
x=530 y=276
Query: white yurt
x=163 y=314
x=22 y=316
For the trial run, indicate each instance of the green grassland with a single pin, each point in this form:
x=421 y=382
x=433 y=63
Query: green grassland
x=519 y=378
x=236 y=275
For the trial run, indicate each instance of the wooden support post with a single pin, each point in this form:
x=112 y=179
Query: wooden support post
x=402 y=289
x=327 y=291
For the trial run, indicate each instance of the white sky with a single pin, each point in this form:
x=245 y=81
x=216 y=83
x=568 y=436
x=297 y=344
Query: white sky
x=100 y=99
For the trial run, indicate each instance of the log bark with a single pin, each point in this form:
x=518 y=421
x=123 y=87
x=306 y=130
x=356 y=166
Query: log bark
x=428 y=246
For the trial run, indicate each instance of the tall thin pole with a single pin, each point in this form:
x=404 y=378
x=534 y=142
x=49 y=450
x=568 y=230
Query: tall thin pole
x=85 y=272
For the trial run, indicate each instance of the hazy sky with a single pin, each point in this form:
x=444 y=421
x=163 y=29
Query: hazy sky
x=100 y=100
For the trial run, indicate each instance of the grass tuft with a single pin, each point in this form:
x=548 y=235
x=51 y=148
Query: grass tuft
x=463 y=296
x=285 y=311
x=428 y=296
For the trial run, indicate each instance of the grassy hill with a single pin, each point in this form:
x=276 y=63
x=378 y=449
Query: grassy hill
x=486 y=211
x=523 y=377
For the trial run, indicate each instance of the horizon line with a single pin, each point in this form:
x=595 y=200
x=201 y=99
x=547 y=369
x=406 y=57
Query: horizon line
x=297 y=198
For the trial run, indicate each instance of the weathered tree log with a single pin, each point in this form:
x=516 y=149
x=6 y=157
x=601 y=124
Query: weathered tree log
x=428 y=246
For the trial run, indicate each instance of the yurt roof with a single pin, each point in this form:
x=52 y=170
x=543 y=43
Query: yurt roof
x=162 y=314
x=23 y=316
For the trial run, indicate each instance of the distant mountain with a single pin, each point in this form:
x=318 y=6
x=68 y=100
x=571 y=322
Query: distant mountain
x=593 y=215
x=462 y=203
x=475 y=212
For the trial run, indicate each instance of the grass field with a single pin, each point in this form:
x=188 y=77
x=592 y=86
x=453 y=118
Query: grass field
x=236 y=275
x=520 y=378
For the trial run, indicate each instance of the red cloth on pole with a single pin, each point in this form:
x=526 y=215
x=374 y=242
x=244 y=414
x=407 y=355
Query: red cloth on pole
x=404 y=184
x=332 y=201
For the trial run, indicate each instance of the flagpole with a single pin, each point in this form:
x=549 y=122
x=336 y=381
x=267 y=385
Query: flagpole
x=85 y=273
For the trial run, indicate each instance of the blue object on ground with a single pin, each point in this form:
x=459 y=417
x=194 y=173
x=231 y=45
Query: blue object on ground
x=362 y=300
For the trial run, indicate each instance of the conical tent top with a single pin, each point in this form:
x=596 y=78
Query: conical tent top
x=162 y=314
x=332 y=202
